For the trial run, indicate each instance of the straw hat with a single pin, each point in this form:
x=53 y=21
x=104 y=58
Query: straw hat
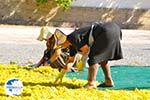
x=44 y=34
x=59 y=36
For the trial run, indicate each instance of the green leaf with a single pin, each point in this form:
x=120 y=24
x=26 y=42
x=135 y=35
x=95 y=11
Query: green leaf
x=62 y=3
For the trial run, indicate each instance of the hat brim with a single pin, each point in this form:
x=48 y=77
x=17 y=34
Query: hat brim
x=44 y=34
x=60 y=36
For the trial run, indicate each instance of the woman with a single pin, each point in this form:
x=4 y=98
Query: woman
x=102 y=43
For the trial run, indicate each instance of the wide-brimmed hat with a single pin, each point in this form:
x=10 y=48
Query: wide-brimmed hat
x=59 y=36
x=44 y=34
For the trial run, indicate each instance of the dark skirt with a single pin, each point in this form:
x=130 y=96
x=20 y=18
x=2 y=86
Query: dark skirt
x=106 y=44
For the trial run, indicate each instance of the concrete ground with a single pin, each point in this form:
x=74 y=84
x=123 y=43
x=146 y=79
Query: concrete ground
x=18 y=44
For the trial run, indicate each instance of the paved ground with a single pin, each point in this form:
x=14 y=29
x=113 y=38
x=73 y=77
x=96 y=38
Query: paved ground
x=19 y=44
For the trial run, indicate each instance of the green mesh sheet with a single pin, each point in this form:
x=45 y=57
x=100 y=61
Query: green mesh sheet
x=125 y=77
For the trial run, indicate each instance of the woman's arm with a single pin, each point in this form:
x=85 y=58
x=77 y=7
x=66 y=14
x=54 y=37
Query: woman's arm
x=72 y=59
x=84 y=50
x=70 y=63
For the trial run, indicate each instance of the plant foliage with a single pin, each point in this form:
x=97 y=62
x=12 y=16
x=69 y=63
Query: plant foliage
x=39 y=85
x=62 y=3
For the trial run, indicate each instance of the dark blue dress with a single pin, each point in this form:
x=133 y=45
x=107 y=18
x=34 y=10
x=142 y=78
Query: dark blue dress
x=106 y=45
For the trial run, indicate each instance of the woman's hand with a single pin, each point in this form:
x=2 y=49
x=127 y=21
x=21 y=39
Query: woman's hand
x=70 y=63
x=68 y=66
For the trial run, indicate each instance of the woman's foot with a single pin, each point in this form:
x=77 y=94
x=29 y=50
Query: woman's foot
x=106 y=84
x=88 y=85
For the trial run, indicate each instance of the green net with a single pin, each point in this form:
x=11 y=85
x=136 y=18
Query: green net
x=124 y=76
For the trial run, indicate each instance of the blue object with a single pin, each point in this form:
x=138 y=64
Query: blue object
x=124 y=76
x=10 y=82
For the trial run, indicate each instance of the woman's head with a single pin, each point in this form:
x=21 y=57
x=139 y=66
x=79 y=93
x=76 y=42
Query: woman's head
x=66 y=44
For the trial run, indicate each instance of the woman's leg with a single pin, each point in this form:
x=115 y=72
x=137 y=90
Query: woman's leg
x=106 y=70
x=92 y=73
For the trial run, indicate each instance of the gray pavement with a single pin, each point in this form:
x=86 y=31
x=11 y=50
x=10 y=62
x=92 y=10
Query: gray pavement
x=19 y=44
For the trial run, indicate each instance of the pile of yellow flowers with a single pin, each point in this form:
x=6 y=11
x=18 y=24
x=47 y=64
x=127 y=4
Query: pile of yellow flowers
x=39 y=85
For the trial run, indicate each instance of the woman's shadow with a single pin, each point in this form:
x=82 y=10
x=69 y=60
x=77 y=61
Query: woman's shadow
x=48 y=84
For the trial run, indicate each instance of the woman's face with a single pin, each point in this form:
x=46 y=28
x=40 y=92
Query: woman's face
x=65 y=44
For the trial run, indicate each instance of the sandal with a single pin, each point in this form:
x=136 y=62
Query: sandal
x=89 y=86
x=104 y=85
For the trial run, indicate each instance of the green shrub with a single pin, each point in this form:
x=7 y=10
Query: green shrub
x=62 y=3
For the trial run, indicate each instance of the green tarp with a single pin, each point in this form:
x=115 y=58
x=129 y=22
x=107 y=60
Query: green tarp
x=125 y=77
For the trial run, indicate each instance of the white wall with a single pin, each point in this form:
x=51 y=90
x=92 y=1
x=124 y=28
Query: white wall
x=136 y=4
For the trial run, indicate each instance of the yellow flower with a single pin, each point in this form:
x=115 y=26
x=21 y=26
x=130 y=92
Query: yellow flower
x=39 y=85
